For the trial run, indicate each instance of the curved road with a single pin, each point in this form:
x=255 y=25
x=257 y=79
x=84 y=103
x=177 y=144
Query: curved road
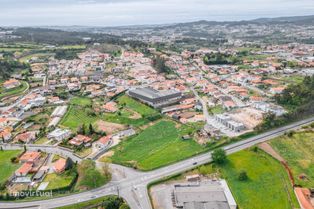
x=132 y=185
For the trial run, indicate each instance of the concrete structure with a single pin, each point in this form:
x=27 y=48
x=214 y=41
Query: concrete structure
x=269 y=108
x=155 y=98
x=205 y=195
x=59 y=111
x=227 y=121
x=59 y=134
x=124 y=133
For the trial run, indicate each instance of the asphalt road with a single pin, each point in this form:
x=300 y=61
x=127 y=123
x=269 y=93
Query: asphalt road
x=132 y=185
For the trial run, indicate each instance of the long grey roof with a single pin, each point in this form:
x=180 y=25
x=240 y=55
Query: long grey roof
x=152 y=93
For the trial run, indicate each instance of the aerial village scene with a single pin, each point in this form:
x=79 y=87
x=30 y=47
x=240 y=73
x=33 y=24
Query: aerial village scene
x=65 y=120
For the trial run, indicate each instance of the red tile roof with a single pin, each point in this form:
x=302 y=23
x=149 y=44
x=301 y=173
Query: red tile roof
x=24 y=169
x=59 y=165
x=30 y=156
x=105 y=139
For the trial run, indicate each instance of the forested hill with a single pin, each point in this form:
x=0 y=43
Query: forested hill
x=298 y=94
x=9 y=67
x=59 y=37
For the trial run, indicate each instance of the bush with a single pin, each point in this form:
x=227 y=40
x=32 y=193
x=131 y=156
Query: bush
x=290 y=133
x=219 y=156
x=124 y=206
x=254 y=149
x=14 y=160
x=243 y=176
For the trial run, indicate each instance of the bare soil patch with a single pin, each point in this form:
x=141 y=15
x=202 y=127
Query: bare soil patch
x=108 y=127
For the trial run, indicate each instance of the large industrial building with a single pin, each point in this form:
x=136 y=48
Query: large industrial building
x=154 y=97
x=204 y=195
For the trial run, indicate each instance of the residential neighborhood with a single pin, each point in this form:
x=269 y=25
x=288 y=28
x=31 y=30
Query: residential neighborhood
x=190 y=115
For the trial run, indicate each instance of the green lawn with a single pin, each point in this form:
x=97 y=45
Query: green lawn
x=81 y=101
x=59 y=180
x=90 y=177
x=267 y=185
x=73 y=47
x=130 y=103
x=41 y=140
x=15 y=91
x=38 y=55
x=77 y=115
x=298 y=151
x=217 y=109
x=7 y=168
x=156 y=146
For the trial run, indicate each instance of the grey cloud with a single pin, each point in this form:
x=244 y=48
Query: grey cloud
x=130 y=12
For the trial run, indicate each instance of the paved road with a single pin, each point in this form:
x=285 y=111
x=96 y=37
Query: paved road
x=205 y=109
x=132 y=185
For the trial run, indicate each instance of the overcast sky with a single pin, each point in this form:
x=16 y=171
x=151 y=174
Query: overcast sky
x=136 y=12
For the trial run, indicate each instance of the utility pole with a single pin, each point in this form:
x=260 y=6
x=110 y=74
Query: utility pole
x=118 y=192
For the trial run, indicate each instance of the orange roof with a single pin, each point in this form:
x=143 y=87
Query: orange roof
x=3 y=120
x=229 y=103
x=105 y=139
x=80 y=139
x=270 y=82
x=24 y=169
x=11 y=81
x=30 y=156
x=256 y=98
x=303 y=197
x=83 y=138
x=278 y=89
x=25 y=136
x=59 y=165
x=5 y=133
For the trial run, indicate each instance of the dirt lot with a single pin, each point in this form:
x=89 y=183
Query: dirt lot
x=248 y=116
x=108 y=127
x=268 y=149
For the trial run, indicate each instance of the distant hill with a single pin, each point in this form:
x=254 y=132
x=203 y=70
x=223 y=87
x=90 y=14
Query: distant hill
x=294 y=19
x=303 y=20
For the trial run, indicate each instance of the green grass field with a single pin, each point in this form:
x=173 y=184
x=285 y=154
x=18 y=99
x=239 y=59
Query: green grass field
x=15 y=91
x=156 y=146
x=7 y=168
x=90 y=177
x=38 y=55
x=81 y=101
x=59 y=180
x=298 y=151
x=125 y=120
x=77 y=115
x=217 y=109
x=72 y=47
x=132 y=104
x=267 y=185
